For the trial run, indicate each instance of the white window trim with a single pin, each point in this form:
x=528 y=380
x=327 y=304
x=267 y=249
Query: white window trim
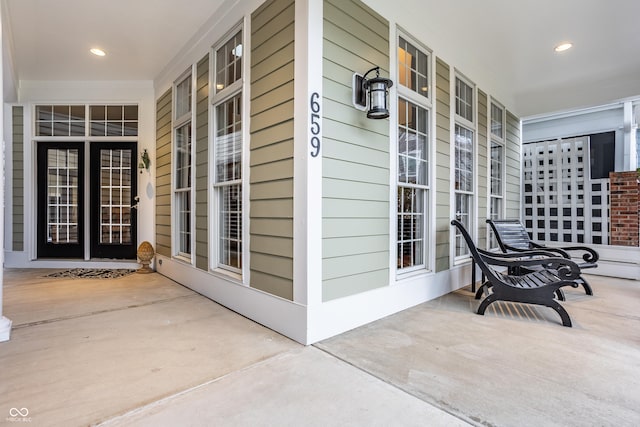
x=242 y=276
x=472 y=126
x=428 y=223
x=178 y=122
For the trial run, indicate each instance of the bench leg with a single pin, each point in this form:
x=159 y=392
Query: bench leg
x=481 y=289
x=473 y=275
x=560 y=295
x=586 y=286
x=564 y=316
x=486 y=302
x=566 y=320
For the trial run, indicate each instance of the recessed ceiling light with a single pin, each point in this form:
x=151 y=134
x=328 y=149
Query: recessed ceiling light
x=98 y=52
x=562 y=47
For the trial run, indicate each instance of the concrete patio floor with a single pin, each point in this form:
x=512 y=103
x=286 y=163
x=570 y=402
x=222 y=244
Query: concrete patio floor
x=143 y=350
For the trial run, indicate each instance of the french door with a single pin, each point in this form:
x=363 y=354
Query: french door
x=109 y=180
x=61 y=200
x=113 y=205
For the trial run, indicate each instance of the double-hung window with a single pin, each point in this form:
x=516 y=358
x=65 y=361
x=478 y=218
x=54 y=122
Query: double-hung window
x=464 y=138
x=227 y=153
x=496 y=194
x=182 y=169
x=412 y=149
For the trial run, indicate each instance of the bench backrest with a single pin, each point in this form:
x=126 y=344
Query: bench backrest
x=492 y=274
x=510 y=232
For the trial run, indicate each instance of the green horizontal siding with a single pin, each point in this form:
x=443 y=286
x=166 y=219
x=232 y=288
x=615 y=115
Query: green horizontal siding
x=18 y=178
x=355 y=164
x=443 y=160
x=202 y=164
x=513 y=166
x=163 y=174
x=482 y=169
x=271 y=147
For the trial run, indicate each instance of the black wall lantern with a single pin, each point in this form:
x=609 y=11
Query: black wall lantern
x=376 y=90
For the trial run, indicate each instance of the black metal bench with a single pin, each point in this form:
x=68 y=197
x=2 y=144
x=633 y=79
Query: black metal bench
x=538 y=287
x=512 y=236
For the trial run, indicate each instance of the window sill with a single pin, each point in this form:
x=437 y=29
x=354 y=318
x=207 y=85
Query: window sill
x=406 y=275
x=229 y=275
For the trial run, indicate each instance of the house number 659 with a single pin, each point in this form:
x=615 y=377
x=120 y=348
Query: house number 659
x=315 y=124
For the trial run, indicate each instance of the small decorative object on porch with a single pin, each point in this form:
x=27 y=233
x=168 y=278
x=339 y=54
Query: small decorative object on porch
x=145 y=254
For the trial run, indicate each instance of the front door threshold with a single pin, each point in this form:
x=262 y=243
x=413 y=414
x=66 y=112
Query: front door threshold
x=79 y=263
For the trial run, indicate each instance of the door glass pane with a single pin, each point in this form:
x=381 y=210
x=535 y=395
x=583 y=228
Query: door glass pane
x=62 y=196
x=115 y=197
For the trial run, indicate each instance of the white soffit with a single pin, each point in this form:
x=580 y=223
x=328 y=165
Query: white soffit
x=506 y=47
x=51 y=39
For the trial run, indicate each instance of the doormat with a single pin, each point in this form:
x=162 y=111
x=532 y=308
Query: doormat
x=92 y=273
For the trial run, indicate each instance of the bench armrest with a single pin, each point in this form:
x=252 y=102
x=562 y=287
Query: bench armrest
x=590 y=255
x=522 y=254
x=556 y=251
x=564 y=268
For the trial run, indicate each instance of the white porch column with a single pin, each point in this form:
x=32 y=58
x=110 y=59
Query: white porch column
x=5 y=324
x=629 y=138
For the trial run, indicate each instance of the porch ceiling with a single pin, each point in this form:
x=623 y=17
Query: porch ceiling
x=506 y=46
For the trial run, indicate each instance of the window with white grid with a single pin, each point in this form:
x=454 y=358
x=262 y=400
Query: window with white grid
x=227 y=152
x=60 y=120
x=412 y=148
x=497 y=121
x=496 y=196
x=496 y=173
x=113 y=120
x=413 y=67
x=413 y=188
x=229 y=63
x=182 y=167
x=464 y=139
x=464 y=100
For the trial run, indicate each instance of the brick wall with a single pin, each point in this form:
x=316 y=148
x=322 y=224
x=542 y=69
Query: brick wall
x=625 y=208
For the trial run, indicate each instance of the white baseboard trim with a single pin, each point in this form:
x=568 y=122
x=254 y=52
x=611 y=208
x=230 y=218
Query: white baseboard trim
x=283 y=316
x=21 y=260
x=308 y=325
x=335 y=317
